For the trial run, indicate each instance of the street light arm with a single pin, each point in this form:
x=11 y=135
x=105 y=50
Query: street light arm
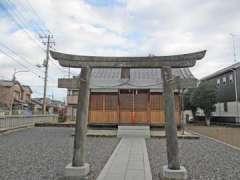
x=15 y=72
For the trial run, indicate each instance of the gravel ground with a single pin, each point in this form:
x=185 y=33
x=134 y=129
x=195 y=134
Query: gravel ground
x=42 y=153
x=229 y=135
x=203 y=158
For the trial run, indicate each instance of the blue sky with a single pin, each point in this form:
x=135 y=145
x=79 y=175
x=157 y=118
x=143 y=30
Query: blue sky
x=116 y=28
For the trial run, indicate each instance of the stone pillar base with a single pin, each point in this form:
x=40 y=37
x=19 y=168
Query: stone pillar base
x=77 y=173
x=169 y=174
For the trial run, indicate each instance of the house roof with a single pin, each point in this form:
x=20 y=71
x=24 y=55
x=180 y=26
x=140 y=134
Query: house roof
x=36 y=101
x=49 y=102
x=110 y=78
x=222 y=71
x=10 y=83
x=6 y=83
x=27 y=87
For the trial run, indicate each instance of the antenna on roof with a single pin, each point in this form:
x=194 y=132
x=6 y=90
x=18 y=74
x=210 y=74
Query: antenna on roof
x=234 y=36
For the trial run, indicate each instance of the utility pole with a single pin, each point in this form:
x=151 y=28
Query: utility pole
x=49 y=44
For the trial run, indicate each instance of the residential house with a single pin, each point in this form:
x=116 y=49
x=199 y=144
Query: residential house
x=227 y=82
x=52 y=106
x=14 y=97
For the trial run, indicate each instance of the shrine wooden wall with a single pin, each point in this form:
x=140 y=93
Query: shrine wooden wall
x=103 y=108
x=129 y=107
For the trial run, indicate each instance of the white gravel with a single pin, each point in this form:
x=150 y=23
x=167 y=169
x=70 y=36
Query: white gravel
x=204 y=159
x=42 y=153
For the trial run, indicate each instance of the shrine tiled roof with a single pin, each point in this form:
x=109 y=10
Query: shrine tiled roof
x=139 y=78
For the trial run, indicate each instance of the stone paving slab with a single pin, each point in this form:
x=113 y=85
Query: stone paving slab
x=154 y=133
x=129 y=161
x=101 y=132
x=186 y=135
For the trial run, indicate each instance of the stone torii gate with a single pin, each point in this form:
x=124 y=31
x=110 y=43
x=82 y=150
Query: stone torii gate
x=79 y=167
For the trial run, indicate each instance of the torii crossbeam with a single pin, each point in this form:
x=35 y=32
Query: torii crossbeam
x=175 y=61
x=86 y=63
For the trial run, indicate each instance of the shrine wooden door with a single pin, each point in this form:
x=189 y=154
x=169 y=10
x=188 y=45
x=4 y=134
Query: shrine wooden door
x=133 y=107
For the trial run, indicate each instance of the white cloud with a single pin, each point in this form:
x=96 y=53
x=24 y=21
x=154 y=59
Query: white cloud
x=135 y=27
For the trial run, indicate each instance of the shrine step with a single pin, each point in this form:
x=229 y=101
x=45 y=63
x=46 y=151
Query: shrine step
x=133 y=131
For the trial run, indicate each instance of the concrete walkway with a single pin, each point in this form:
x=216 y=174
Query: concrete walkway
x=129 y=161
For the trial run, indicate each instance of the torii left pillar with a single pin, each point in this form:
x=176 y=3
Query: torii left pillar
x=79 y=168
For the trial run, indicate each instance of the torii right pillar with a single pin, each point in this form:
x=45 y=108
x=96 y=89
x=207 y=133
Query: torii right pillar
x=173 y=170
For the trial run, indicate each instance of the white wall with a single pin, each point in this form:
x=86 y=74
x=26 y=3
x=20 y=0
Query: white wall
x=233 y=110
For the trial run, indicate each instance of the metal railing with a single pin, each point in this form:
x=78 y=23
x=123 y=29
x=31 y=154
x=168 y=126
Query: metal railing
x=11 y=122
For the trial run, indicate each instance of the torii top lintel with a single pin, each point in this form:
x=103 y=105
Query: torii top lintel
x=175 y=61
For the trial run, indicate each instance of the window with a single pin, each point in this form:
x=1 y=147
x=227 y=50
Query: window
x=224 y=79
x=230 y=78
x=225 y=107
x=218 y=82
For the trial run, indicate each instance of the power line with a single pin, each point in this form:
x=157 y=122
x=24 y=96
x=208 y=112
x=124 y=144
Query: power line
x=19 y=23
x=23 y=20
x=37 y=15
x=21 y=64
x=61 y=69
x=19 y=56
x=57 y=66
x=28 y=17
x=23 y=58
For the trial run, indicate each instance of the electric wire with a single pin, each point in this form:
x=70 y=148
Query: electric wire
x=14 y=17
x=38 y=16
x=29 y=18
x=20 y=63
x=20 y=56
x=61 y=69
x=29 y=4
